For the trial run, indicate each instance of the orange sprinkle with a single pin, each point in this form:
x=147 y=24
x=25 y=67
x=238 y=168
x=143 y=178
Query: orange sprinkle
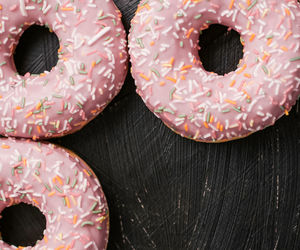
x=59 y=180
x=45 y=239
x=162 y=83
x=288 y=35
x=182 y=77
x=245 y=92
x=249 y=2
x=205 y=124
x=35 y=201
x=5 y=146
x=67 y=202
x=145 y=77
x=252 y=37
x=189 y=32
x=38 y=129
x=230 y=101
x=74 y=219
x=28 y=115
x=211 y=119
x=51 y=194
x=121 y=55
x=287 y=11
x=218 y=125
x=172 y=60
x=242 y=69
x=221 y=128
x=284 y=48
x=67 y=8
x=264 y=57
x=184 y=2
x=269 y=41
x=1 y=7
x=231 y=4
x=286 y=112
x=247 y=75
x=18 y=107
x=147 y=6
x=186 y=67
x=94 y=63
x=60 y=247
x=68 y=247
x=152 y=43
x=86 y=172
x=24 y=162
x=232 y=83
x=186 y=128
x=171 y=79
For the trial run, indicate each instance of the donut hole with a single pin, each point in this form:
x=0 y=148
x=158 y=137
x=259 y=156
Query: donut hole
x=22 y=225
x=220 y=49
x=37 y=50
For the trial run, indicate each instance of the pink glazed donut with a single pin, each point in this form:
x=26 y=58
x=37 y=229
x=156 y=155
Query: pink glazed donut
x=62 y=186
x=202 y=105
x=90 y=71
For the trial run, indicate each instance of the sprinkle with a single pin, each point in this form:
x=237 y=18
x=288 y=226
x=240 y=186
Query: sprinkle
x=208 y=117
x=197 y=16
x=186 y=67
x=155 y=71
x=99 y=35
x=72 y=80
x=230 y=101
x=232 y=83
x=58 y=189
x=145 y=77
x=94 y=206
x=241 y=69
x=226 y=111
x=140 y=43
x=295 y=59
x=288 y=35
x=237 y=109
x=171 y=93
x=231 y=4
x=169 y=111
x=265 y=69
x=47 y=186
x=189 y=32
x=252 y=5
x=171 y=79
x=90 y=223
x=74 y=183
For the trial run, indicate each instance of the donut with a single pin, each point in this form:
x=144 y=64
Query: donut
x=205 y=106
x=91 y=67
x=62 y=186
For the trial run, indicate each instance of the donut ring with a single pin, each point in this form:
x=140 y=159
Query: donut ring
x=90 y=72
x=204 y=106
x=62 y=186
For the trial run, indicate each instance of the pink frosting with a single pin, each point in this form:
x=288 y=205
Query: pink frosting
x=62 y=186
x=90 y=71
x=202 y=105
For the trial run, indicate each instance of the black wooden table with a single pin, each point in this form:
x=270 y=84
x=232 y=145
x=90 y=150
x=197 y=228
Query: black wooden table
x=167 y=192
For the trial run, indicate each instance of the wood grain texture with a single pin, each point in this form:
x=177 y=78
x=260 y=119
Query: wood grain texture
x=167 y=192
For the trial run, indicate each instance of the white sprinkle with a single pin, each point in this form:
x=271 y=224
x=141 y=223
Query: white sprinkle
x=99 y=35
